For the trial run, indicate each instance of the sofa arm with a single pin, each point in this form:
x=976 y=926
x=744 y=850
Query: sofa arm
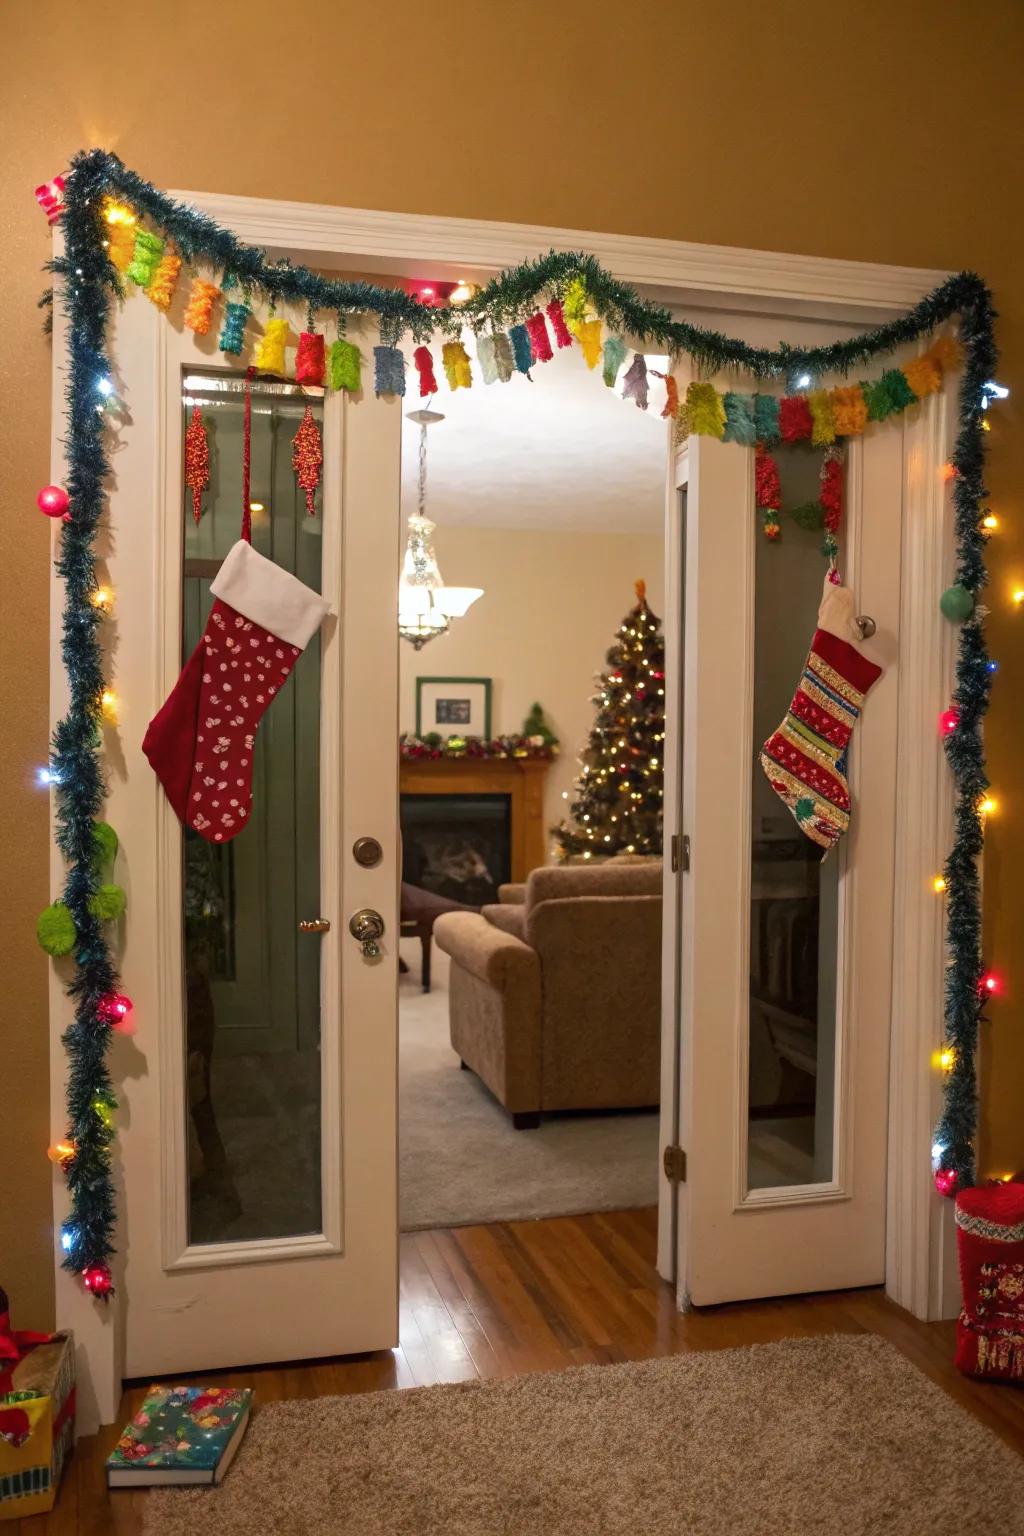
x=506 y=919
x=487 y=953
x=512 y=895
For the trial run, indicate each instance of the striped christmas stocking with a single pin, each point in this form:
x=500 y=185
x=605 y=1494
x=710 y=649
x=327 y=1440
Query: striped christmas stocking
x=806 y=757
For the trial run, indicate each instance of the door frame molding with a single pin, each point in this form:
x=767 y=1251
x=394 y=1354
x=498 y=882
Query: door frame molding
x=918 y=1271
x=920 y=1266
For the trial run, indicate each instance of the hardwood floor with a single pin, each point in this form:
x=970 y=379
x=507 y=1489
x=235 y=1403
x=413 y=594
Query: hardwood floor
x=540 y=1296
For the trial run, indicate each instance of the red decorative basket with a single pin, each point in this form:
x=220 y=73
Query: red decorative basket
x=990 y=1241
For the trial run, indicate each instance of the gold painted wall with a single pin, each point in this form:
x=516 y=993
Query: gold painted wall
x=888 y=132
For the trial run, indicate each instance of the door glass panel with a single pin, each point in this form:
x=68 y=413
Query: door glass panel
x=252 y=981
x=794 y=929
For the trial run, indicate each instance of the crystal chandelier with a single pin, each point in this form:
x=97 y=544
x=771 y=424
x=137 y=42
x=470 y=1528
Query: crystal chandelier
x=426 y=606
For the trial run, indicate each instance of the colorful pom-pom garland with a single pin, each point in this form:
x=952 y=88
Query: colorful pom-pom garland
x=202 y=296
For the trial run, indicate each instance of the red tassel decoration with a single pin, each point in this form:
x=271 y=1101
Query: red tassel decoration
x=767 y=492
x=540 y=341
x=556 y=315
x=197 y=461
x=309 y=360
x=307 y=458
x=830 y=492
x=795 y=420
x=425 y=368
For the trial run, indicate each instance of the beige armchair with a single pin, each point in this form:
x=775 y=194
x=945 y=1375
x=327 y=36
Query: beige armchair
x=555 y=999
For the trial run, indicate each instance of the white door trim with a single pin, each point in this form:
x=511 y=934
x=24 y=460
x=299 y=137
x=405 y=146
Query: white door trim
x=794 y=285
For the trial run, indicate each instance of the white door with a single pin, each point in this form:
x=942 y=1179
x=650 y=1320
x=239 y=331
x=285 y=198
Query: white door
x=785 y=974
x=257 y=1121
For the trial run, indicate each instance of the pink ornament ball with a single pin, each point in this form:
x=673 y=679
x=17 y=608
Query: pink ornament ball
x=53 y=500
x=948 y=721
x=98 y=1280
x=945 y=1181
x=115 y=1009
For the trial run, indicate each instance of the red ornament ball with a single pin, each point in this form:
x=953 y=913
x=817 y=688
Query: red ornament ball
x=948 y=721
x=53 y=500
x=946 y=1181
x=115 y=1009
x=98 y=1280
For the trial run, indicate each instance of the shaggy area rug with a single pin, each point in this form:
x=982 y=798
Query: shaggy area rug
x=824 y=1435
x=462 y=1162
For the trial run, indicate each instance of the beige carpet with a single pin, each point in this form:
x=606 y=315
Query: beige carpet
x=462 y=1162
x=838 y=1435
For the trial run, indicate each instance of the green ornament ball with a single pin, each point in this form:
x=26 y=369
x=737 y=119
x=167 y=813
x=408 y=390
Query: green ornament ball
x=55 y=930
x=104 y=844
x=957 y=604
x=108 y=904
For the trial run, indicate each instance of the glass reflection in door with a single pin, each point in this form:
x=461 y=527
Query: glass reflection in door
x=252 y=981
x=794 y=910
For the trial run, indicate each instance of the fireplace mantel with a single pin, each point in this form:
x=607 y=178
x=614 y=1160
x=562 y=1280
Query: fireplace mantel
x=521 y=778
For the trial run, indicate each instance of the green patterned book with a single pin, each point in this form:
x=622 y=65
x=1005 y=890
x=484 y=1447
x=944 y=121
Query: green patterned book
x=180 y=1435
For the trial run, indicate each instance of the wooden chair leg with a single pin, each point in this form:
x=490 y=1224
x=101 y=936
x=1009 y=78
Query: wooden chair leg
x=425 y=939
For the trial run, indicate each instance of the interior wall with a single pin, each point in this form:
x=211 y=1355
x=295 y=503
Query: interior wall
x=894 y=134
x=551 y=607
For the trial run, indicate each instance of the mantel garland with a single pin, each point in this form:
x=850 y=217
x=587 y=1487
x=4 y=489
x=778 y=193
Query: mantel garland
x=99 y=255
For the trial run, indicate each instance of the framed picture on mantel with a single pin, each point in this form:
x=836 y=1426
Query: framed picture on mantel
x=453 y=706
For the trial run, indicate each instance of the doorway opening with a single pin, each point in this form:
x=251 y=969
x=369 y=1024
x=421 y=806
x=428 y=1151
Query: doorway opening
x=530 y=993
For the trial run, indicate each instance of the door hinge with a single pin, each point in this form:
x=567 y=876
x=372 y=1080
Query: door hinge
x=680 y=853
x=674 y=1163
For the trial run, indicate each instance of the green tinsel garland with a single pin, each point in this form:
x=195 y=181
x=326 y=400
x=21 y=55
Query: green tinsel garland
x=91 y=283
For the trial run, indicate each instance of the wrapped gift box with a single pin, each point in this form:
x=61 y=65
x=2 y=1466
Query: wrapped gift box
x=37 y=1427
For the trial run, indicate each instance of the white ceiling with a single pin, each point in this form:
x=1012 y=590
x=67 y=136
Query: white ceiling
x=562 y=452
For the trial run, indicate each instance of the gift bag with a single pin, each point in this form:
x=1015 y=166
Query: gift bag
x=37 y=1425
x=990 y=1243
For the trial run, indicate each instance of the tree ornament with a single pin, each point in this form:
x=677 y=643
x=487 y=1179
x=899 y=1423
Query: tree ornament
x=161 y=286
x=232 y=332
x=55 y=930
x=948 y=721
x=425 y=368
x=388 y=371
x=108 y=903
x=556 y=314
x=957 y=604
x=540 y=341
x=97 y=1279
x=614 y=357
x=766 y=420
x=270 y=348
x=589 y=334
x=574 y=305
x=795 y=420
x=197 y=461
x=946 y=1181
x=62 y=1155
x=309 y=359
x=522 y=351
x=486 y=358
x=201 y=744
x=103 y=1107
x=50 y=197
x=344 y=366
x=739 y=418
x=54 y=501
x=823 y=428
x=308 y=458
x=849 y=410
x=456 y=363
x=114 y=1010
x=804 y=760
x=634 y=385
x=202 y=297
x=146 y=254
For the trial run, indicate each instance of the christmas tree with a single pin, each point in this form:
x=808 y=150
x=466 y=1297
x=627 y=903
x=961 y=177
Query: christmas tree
x=617 y=797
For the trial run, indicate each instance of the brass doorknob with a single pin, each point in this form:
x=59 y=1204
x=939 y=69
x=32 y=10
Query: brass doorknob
x=367 y=926
x=315 y=925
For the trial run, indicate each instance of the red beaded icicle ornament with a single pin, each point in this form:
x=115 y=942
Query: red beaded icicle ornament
x=308 y=458
x=197 y=461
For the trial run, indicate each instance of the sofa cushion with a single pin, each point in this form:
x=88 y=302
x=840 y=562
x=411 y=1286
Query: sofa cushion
x=508 y=918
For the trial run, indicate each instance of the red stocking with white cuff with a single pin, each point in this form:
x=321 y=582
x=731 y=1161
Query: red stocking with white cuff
x=201 y=743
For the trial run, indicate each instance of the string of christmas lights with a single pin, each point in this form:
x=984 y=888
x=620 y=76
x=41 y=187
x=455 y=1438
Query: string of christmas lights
x=105 y=208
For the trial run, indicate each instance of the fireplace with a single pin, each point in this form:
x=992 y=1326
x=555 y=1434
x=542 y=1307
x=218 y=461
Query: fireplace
x=457 y=845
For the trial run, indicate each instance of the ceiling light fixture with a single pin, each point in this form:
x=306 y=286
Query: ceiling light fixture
x=426 y=606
